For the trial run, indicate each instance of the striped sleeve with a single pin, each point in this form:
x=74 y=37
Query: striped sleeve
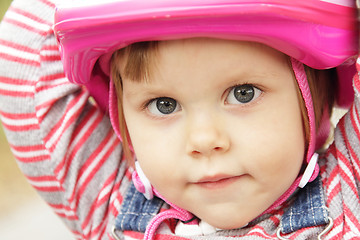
x=341 y=173
x=63 y=143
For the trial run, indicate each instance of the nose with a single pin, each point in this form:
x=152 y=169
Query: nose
x=207 y=136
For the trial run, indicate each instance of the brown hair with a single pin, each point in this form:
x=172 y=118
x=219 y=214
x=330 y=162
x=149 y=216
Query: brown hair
x=322 y=84
x=140 y=59
x=137 y=67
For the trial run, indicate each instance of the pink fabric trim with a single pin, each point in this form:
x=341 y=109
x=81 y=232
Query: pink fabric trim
x=158 y=219
x=301 y=78
x=175 y=212
x=113 y=109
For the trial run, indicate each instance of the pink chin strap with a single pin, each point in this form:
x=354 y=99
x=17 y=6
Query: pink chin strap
x=144 y=186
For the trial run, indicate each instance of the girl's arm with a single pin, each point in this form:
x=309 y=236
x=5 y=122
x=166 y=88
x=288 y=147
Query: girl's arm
x=341 y=171
x=63 y=143
x=346 y=145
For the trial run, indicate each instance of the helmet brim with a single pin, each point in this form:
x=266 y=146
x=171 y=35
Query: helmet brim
x=317 y=33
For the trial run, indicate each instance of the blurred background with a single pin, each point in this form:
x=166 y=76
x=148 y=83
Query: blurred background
x=23 y=215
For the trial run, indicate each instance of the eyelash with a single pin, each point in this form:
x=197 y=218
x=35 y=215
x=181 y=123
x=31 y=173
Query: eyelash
x=165 y=100
x=256 y=92
x=250 y=87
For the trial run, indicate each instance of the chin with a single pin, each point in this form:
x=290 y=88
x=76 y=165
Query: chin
x=228 y=223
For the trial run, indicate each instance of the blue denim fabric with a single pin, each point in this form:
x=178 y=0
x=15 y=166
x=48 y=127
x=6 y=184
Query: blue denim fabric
x=136 y=211
x=308 y=209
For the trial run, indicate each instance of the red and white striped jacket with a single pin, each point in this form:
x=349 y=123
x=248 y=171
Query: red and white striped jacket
x=66 y=147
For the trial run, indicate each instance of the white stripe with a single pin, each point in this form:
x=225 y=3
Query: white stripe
x=113 y=196
x=44 y=183
x=335 y=231
x=73 y=203
x=53 y=83
x=68 y=115
x=105 y=191
x=21 y=54
x=354 y=229
x=63 y=211
x=28 y=21
x=16 y=88
x=84 y=130
x=258 y=230
x=333 y=184
x=49 y=52
x=30 y=153
x=49 y=95
x=42 y=111
x=350 y=235
x=54 y=93
x=348 y=172
x=117 y=204
x=19 y=122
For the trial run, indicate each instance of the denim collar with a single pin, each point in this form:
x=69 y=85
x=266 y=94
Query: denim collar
x=307 y=210
x=136 y=211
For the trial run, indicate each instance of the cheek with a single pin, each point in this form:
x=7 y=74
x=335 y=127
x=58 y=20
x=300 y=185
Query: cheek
x=152 y=143
x=154 y=148
x=274 y=144
x=289 y=146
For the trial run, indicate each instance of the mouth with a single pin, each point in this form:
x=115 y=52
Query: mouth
x=217 y=181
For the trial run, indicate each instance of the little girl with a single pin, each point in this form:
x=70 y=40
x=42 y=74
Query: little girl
x=219 y=107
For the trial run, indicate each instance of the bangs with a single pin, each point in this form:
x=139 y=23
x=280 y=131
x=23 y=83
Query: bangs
x=135 y=61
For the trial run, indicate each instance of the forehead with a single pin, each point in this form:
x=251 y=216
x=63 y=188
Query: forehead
x=215 y=47
x=211 y=64
x=209 y=56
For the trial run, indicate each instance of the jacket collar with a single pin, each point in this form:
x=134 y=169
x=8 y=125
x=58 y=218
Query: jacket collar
x=307 y=210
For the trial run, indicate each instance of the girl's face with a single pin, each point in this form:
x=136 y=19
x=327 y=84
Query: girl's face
x=217 y=129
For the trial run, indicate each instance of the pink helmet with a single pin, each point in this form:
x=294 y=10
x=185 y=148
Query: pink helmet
x=319 y=33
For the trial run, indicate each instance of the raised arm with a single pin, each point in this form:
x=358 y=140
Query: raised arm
x=63 y=143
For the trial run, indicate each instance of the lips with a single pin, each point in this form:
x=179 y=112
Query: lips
x=217 y=181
